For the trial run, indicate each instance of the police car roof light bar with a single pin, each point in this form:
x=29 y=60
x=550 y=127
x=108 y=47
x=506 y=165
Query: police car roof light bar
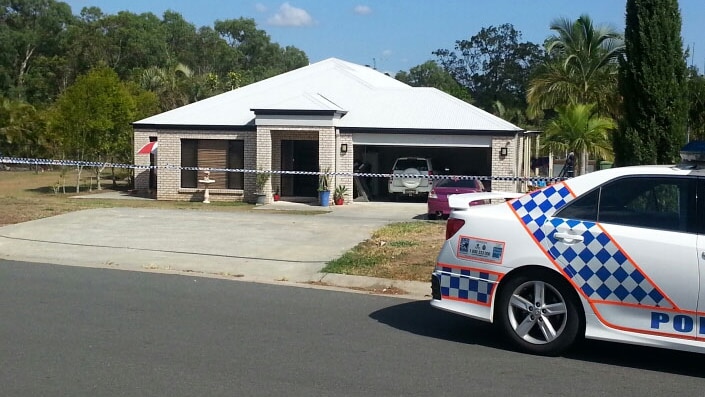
x=693 y=152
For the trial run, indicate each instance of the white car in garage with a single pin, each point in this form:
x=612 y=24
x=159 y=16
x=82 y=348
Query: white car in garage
x=411 y=177
x=616 y=255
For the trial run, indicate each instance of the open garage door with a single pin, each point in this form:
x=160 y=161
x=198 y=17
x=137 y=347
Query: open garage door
x=455 y=155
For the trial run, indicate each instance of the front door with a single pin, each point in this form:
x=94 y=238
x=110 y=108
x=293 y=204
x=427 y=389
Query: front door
x=299 y=155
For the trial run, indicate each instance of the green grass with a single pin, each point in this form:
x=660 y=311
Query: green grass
x=401 y=251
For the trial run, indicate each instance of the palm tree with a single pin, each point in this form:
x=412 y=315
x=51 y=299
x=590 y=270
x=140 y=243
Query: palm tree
x=175 y=86
x=578 y=129
x=21 y=129
x=582 y=67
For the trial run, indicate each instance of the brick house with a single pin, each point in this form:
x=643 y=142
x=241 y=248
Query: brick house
x=330 y=114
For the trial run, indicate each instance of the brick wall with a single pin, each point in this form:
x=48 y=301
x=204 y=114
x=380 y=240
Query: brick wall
x=169 y=161
x=504 y=166
x=345 y=165
x=263 y=152
x=141 y=138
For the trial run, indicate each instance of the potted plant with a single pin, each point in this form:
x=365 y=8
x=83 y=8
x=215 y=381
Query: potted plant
x=339 y=194
x=276 y=196
x=261 y=181
x=323 y=187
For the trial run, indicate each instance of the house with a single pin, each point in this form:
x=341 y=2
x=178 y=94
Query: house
x=328 y=115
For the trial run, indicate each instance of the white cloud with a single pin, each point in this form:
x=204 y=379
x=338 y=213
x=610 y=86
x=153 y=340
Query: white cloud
x=290 y=16
x=260 y=7
x=386 y=53
x=362 y=10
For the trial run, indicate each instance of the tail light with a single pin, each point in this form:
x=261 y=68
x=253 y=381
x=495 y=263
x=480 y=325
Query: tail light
x=452 y=226
x=432 y=194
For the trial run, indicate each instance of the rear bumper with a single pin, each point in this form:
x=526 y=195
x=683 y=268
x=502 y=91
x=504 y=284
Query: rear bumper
x=436 y=206
x=435 y=287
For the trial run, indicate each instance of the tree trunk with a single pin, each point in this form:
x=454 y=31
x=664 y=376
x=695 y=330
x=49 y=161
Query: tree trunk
x=79 y=168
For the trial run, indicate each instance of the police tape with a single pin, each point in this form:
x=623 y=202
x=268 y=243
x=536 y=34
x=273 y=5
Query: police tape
x=77 y=163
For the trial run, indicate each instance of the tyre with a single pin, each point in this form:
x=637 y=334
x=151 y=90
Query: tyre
x=539 y=313
x=411 y=182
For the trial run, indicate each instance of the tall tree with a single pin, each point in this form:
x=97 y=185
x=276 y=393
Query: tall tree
x=93 y=118
x=430 y=74
x=257 y=57
x=696 y=99
x=652 y=81
x=21 y=129
x=29 y=29
x=578 y=129
x=581 y=67
x=494 y=65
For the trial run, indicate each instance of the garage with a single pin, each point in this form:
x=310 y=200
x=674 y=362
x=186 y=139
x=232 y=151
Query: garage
x=451 y=154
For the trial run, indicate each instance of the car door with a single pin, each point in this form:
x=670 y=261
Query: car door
x=629 y=247
x=700 y=215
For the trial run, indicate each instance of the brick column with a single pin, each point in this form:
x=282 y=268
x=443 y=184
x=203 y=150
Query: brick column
x=263 y=162
x=504 y=165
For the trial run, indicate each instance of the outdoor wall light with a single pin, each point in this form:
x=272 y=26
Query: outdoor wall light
x=343 y=148
x=503 y=151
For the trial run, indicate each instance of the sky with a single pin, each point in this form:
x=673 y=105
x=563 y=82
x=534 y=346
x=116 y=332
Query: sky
x=394 y=35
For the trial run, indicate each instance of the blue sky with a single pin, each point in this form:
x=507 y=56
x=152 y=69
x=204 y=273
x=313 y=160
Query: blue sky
x=396 y=35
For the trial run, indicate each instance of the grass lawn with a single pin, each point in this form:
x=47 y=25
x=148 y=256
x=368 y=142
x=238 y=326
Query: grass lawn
x=401 y=251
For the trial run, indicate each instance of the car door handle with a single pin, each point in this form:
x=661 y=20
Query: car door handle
x=568 y=238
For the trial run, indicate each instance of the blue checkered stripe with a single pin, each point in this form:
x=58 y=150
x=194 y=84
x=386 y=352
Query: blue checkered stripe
x=468 y=284
x=597 y=265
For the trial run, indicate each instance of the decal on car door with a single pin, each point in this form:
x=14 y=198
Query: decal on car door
x=600 y=269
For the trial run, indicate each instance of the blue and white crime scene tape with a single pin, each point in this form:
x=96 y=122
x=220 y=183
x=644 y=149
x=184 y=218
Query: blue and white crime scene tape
x=76 y=163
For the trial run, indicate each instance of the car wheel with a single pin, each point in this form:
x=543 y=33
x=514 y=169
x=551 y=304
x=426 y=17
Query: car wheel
x=539 y=313
x=431 y=216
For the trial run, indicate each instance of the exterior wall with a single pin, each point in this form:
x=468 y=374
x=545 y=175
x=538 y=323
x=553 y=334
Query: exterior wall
x=503 y=166
x=262 y=151
x=344 y=165
x=169 y=161
x=141 y=138
x=288 y=134
x=262 y=161
x=329 y=154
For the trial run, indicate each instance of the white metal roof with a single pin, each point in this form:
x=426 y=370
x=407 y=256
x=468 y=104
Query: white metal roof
x=369 y=98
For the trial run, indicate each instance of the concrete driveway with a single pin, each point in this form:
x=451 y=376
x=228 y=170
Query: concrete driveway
x=265 y=246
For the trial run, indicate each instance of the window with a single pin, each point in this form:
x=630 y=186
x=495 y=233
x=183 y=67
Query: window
x=213 y=153
x=405 y=163
x=460 y=183
x=236 y=160
x=583 y=208
x=651 y=202
x=189 y=158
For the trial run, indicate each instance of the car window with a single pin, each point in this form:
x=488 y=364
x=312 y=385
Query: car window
x=652 y=202
x=464 y=183
x=403 y=164
x=583 y=208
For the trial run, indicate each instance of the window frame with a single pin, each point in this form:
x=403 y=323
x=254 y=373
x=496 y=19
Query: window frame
x=694 y=221
x=234 y=159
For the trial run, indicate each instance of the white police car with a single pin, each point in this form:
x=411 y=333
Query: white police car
x=615 y=255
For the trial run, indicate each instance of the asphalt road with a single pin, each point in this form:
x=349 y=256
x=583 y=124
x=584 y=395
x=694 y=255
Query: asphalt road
x=99 y=332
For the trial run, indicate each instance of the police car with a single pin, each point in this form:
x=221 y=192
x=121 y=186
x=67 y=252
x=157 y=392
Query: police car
x=616 y=255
